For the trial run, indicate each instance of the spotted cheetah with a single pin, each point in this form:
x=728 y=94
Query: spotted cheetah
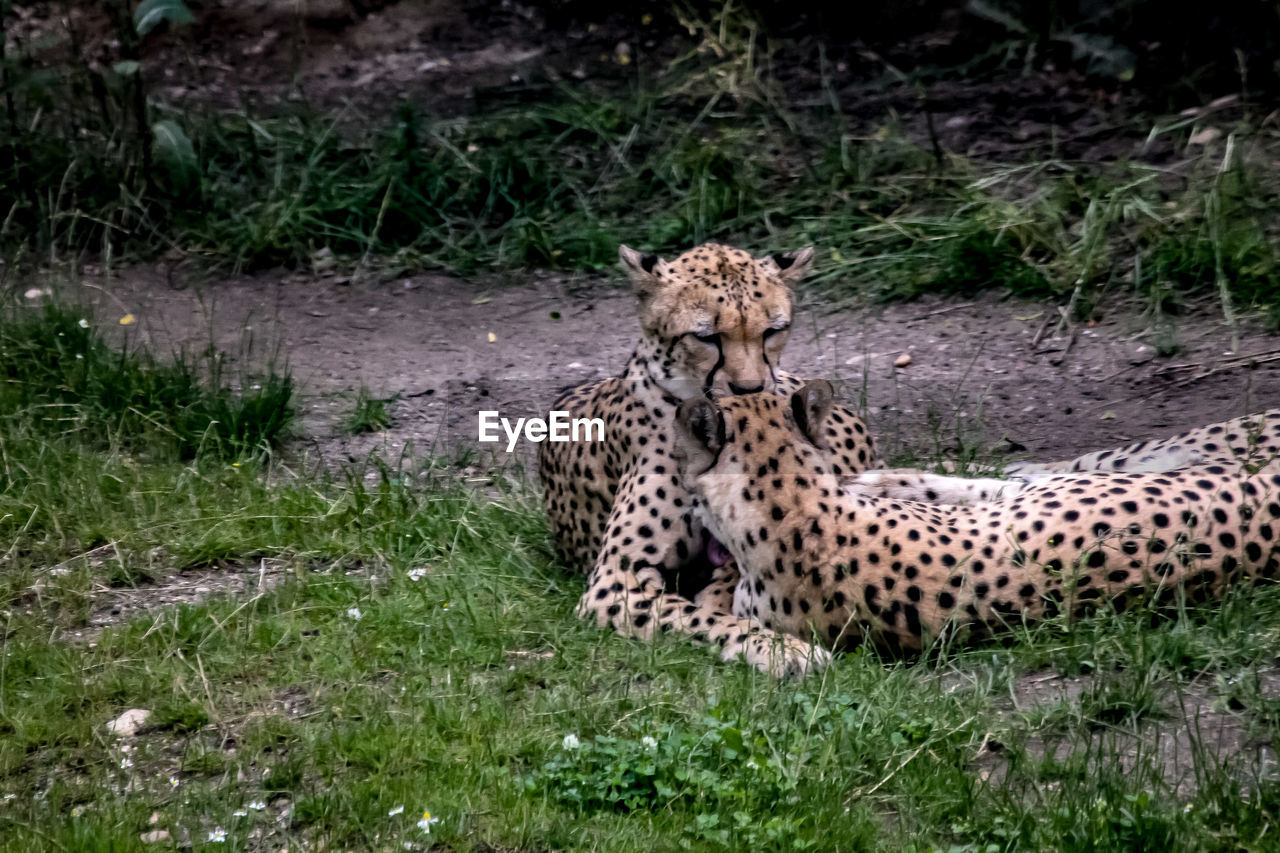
x=843 y=568
x=714 y=321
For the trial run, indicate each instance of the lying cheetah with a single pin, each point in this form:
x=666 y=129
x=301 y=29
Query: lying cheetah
x=844 y=567
x=713 y=321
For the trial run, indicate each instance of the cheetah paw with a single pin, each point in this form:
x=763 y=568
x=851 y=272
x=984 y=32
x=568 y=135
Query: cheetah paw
x=780 y=655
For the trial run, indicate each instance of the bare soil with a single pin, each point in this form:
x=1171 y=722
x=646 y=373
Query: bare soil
x=996 y=373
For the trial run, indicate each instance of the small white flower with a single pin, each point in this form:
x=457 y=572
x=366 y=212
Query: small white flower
x=417 y=574
x=218 y=836
x=1187 y=807
x=77 y=811
x=125 y=763
x=648 y=742
x=79 y=356
x=173 y=782
x=8 y=797
x=84 y=324
x=257 y=805
x=239 y=813
x=354 y=613
x=751 y=762
x=571 y=742
x=397 y=810
x=427 y=821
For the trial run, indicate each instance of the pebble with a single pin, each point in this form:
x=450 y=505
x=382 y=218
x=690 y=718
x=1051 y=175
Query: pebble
x=128 y=723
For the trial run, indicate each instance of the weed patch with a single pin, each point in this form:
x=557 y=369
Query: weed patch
x=704 y=148
x=58 y=375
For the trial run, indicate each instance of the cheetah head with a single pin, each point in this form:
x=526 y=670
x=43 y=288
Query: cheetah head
x=715 y=319
x=752 y=461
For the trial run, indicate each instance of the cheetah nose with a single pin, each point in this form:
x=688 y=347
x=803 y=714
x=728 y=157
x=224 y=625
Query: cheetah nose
x=746 y=389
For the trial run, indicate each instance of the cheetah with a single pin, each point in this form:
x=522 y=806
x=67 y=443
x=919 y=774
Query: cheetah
x=844 y=568
x=1249 y=439
x=714 y=322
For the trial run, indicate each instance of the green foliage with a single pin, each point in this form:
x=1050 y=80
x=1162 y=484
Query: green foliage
x=149 y=14
x=177 y=155
x=368 y=414
x=179 y=715
x=60 y=376
x=727 y=773
x=972 y=262
x=711 y=152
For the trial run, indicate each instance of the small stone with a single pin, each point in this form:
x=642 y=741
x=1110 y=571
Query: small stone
x=1204 y=137
x=155 y=836
x=902 y=360
x=128 y=723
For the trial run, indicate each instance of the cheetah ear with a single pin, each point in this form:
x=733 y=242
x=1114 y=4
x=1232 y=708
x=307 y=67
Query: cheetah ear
x=791 y=267
x=700 y=424
x=646 y=271
x=810 y=407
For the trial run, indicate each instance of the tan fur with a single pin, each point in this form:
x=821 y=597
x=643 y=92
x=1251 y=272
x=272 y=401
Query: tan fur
x=816 y=561
x=616 y=508
x=1248 y=439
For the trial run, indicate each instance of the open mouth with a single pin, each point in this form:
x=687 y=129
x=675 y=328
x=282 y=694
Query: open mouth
x=717 y=554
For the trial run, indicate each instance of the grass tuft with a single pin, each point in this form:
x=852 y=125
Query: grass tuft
x=59 y=376
x=368 y=414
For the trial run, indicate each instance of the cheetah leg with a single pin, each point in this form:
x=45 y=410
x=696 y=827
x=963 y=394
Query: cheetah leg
x=1155 y=461
x=908 y=484
x=1252 y=439
x=626 y=590
x=642 y=607
x=718 y=594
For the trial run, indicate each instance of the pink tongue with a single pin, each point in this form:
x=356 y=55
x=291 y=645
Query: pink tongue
x=717 y=554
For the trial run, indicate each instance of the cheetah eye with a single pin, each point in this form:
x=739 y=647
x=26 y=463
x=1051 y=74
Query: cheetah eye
x=713 y=338
x=768 y=333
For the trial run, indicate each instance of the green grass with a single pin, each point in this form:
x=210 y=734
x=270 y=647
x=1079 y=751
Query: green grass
x=414 y=646
x=59 y=375
x=368 y=413
x=706 y=148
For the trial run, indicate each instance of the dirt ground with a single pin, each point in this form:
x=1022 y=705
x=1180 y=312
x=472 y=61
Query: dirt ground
x=997 y=372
